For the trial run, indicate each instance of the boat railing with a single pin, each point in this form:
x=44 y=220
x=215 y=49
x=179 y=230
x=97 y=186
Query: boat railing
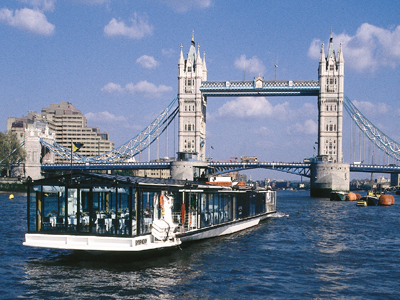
x=189 y=221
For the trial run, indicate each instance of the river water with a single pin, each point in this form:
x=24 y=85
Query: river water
x=311 y=249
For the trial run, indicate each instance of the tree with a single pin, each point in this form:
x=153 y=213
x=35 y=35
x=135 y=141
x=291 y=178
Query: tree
x=10 y=150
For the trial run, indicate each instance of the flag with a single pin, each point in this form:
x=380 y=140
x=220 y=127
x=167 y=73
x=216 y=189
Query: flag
x=77 y=146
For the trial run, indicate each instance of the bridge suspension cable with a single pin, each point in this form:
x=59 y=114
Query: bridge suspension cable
x=12 y=152
x=131 y=148
x=376 y=136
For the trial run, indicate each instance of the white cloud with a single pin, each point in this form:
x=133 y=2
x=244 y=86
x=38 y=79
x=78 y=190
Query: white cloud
x=112 y=87
x=253 y=65
x=139 y=28
x=104 y=117
x=145 y=88
x=371 y=47
x=308 y=109
x=43 y=5
x=264 y=131
x=260 y=107
x=148 y=89
x=315 y=49
x=168 y=52
x=27 y=19
x=309 y=127
x=95 y=2
x=182 y=6
x=147 y=62
x=370 y=108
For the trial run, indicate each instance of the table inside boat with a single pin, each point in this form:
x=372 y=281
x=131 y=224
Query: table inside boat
x=57 y=221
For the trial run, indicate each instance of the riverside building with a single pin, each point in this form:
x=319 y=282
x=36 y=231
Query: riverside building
x=68 y=124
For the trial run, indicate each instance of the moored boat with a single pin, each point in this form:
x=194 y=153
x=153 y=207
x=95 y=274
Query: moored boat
x=369 y=201
x=111 y=213
x=362 y=202
x=338 y=196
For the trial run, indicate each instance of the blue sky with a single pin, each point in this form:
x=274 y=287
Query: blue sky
x=116 y=61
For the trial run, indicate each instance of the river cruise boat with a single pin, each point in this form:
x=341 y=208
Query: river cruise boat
x=112 y=213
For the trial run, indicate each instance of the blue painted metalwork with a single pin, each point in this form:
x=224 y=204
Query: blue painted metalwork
x=265 y=88
x=106 y=166
x=128 y=150
x=302 y=169
x=381 y=140
x=12 y=152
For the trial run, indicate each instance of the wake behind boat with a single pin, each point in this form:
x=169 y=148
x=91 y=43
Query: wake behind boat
x=111 y=213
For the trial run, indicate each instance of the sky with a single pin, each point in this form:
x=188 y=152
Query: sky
x=117 y=62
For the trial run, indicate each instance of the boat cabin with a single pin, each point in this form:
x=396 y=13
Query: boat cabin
x=125 y=206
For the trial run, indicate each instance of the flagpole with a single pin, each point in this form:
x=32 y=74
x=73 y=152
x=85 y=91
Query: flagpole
x=72 y=150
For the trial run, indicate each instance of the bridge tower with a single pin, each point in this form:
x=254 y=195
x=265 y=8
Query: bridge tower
x=329 y=172
x=191 y=161
x=330 y=104
x=192 y=105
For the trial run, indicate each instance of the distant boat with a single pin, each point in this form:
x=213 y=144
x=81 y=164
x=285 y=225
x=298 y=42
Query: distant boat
x=373 y=193
x=338 y=196
x=369 y=201
x=362 y=202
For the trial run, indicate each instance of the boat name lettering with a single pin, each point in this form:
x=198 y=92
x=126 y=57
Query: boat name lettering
x=140 y=242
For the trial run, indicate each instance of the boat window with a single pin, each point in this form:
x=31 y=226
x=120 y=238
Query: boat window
x=147 y=199
x=259 y=203
x=188 y=213
x=98 y=210
x=243 y=207
x=31 y=210
x=205 y=216
x=252 y=201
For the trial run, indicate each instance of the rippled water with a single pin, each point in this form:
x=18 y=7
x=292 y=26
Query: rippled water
x=311 y=249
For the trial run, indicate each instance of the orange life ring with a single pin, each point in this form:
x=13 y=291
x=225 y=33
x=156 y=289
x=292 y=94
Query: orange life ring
x=162 y=204
x=183 y=213
x=162 y=201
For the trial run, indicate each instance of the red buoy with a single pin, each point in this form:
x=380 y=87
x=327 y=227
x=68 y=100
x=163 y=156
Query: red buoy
x=386 y=200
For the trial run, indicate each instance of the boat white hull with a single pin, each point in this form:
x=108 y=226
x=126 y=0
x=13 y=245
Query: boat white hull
x=97 y=243
x=219 y=230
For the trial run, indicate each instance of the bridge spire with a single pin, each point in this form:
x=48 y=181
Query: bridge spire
x=340 y=54
x=331 y=51
x=322 y=58
x=181 y=59
x=204 y=67
x=198 y=58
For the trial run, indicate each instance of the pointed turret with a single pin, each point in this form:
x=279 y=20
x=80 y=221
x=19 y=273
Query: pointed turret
x=181 y=59
x=331 y=51
x=340 y=54
x=192 y=53
x=198 y=57
x=322 y=58
x=204 y=67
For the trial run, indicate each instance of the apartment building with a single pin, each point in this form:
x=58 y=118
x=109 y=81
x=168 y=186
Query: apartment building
x=69 y=125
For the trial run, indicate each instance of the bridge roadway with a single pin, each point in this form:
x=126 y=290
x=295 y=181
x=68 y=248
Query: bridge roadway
x=258 y=87
x=302 y=169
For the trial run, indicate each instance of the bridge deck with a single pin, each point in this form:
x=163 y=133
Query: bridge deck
x=263 y=88
x=302 y=169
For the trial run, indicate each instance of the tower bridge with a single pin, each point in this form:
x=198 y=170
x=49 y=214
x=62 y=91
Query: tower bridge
x=327 y=172
x=194 y=90
x=259 y=87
